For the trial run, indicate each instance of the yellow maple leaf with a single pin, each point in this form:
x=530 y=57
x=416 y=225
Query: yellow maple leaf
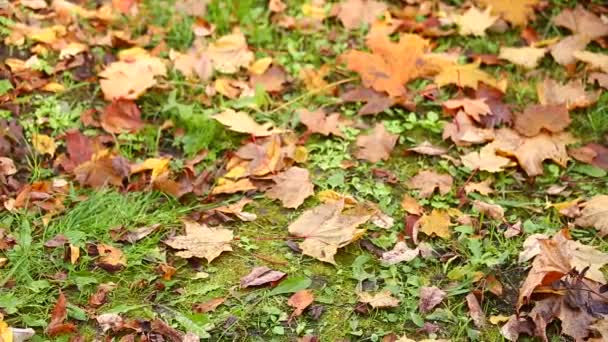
x=468 y=75
x=201 y=241
x=437 y=222
x=514 y=11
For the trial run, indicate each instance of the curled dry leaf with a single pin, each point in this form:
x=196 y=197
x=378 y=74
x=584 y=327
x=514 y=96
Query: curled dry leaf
x=428 y=149
x=261 y=276
x=328 y=227
x=300 y=301
x=573 y=94
x=428 y=181
x=595 y=214
x=353 y=13
x=464 y=132
x=475 y=311
x=57 y=325
x=527 y=57
x=437 y=223
x=291 y=187
x=377 y=145
x=400 y=253
x=121 y=116
x=430 y=297
x=492 y=210
x=382 y=299
x=243 y=123
x=201 y=241
x=237 y=209
x=474 y=21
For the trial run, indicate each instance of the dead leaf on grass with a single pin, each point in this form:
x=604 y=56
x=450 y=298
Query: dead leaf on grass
x=230 y=53
x=553 y=118
x=319 y=122
x=375 y=102
x=482 y=188
x=595 y=214
x=593 y=59
x=261 y=276
x=475 y=108
x=382 y=299
x=573 y=94
x=201 y=241
x=581 y=21
x=243 y=123
x=291 y=187
x=121 y=116
x=527 y=57
x=430 y=297
x=353 y=13
x=110 y=258
x=563 y=51
x=57 y=325
x=475 y=311
x=516 y=12
x=468 y=75
x=400 y=253
x=377 y=145
x=409 y=204
x=428 y=149
x=437 y=222
x=428 y=181
x=209 y=305
x=300 y=301
x=592 y=153
x=492 y=210
x=474 y=21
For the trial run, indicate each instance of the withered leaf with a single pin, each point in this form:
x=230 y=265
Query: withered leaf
x=261 y=276
x=353 y=13
x=319 y=122
x=553 y=118
x=201 y=241
x=243 y=123
x=291 y=187
x=563 y=51
x=382 y=299
x=428 y=181
x=595 y=214
x=57 y=325
x=474 y=21
x=375 y=102
x=482 y=188
x=475 y=311
x=110 y=258
x=475 y=108
x=121 y=116
x=377 y=145
x=437 y=223
x=428 y=149
x=400 y=253
x=328 y=227
x=492 y=210
x=573 y=94
x=581 y=21
x=514 y=11
x=467 y=75
x=594 y=154
x=594 y=60
x=300 y=301
x=272 y=80
x=209 y=305
x=104 y=168
x=230 y=53
x=527 y=57
x=430 y=297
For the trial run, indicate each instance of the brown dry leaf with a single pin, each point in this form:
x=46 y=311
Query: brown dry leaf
x=132 y=75
x=516 y=12
x=110 y=258
x=468 y=75
x=594 y=154
x=531 y=152
x=581 y=21
x=57 y=325
x=314 y=78
x=291 y=187
x=485 y=159
x=230 y=53
x=563 y=51
x=7 y=166
x=595 y=60
x=428 y=181
x=501 y=112
x=481 y=187
x=132 y=236
x=464 y=132
x=261 y=276
x=428 y=149
x=573 y=94
x=121 y=116
x=475 y=108
x=595 y=214
x=600 y=78
x=237 y=209
x=209 y=305
x=328 y=227
x=475 y=311
x=474 y=21
x=553 y=118
x=103 y=169
x=201 y=241
x=430 y=297
x=276 y=6
x=400 y=253
x=191 y=64
x=353 y=13
x=231 y=88
x=100 y=296
x=492 y=210
x=319 y=122
x=377 y=145
x=243 y=123
x=382 y=299
x=390 y=65
x=272 y=80
x=44 y=144
x=300 y=301
x=437 y=222
x=375 y=102
x=409 y=204
x=527 y=57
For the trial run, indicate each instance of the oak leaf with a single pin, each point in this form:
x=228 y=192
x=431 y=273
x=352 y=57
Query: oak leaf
x=595 y=214
x=201 y=241
x=527 y=57
x=516 y=12
x=291 y=187
x=377 y=145
x=353 y=13
x=474 y=21
x=382 y=299
x=437 y=223
x=243 y=123
x=535 y=118
x=573 y=94
x=328 y=227
x=428 y=181
x=390 y=65
x=230 y=53
x=581 y=21
x=467 y=75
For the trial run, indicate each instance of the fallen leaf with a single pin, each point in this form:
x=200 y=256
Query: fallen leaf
x=201 y=241
x=272 y=80
x=353 y=13
x=500 y=111
x=276 y=6
x=110 y=321
x=100 y=296
x=563 y=51
x=517 y=326
x=209 y=305
x=44 y=144
x=428 y=149
x=382 y=299
x=595 y=214
x=319 y=122
x=158 y=166
x=581 y=21
x=535 y=118
x=300 y=301
x=121 y=116
x=430 y=297
x=230 y=53
x=132 y=236
x=482 y=188
x=191 y=64
x=57 y=325
x=261 y=276
x=516 y=12
x=243 y=123
x=7 y=166
x=573 y=94
x=377 y=145
x=428 y=181
x=594 y=154
x=475 y=311
x=314 y=79
x=437 y=222
x=527 y=57
x=400 y=253
x=468 y=75
x=110 y=258
x=474 y=21
x=464 y=132
x=291 y=187
x=237 y=209
x=390 y=65
x=409 y=204
x=375 y=102
x=475 y=108
x=328 y=227
x=131 y=76
x=595 y=60
x=600 y=78
x=492 y=210
x=104 y=168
